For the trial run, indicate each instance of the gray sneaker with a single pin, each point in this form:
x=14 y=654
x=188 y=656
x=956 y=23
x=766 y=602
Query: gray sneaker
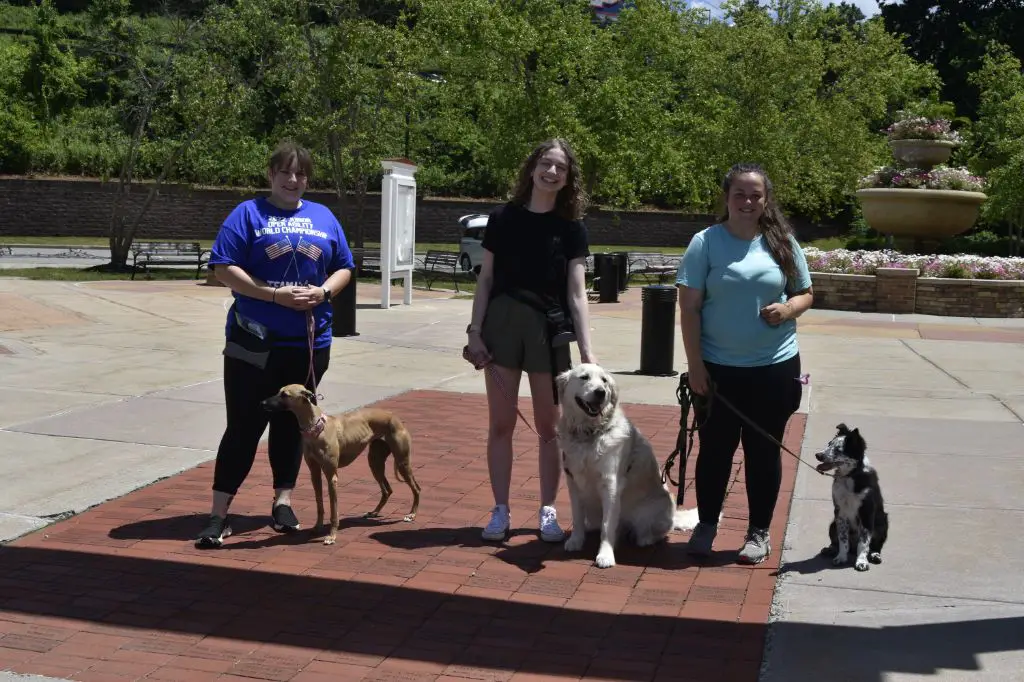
x=702 y=539
x=756 y=548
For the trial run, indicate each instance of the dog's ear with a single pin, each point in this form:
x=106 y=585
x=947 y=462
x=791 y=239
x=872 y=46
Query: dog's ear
x=561 y=380
x=843 y=429
x=308 y=395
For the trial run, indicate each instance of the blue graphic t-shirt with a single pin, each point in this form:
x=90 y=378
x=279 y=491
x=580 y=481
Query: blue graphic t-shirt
x=283 y=248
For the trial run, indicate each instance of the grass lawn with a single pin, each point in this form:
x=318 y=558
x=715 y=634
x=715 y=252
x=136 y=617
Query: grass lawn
x=93 y=242
x=83 y=242
x=164 y=274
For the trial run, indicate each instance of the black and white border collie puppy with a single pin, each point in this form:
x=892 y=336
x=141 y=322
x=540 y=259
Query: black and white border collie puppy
x=857 y=498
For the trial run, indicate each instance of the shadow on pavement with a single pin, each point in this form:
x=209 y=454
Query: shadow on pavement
x=168 y=607
x=525 y=550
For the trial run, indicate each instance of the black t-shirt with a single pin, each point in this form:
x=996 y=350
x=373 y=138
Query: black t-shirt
x=532 y=250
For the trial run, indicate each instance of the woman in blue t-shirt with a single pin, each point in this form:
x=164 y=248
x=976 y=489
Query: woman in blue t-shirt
x=283 y=257
x=743 y=282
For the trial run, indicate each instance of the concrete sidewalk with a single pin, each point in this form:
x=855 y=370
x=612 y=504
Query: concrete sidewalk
x=117 y=384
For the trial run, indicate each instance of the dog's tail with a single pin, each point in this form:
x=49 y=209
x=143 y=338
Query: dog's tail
x=398 y=472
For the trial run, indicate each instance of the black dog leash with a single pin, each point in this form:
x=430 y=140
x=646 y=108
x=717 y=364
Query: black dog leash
x=702 y=408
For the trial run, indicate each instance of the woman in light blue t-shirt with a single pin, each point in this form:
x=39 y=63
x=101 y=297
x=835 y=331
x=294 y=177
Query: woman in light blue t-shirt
x=743 y=282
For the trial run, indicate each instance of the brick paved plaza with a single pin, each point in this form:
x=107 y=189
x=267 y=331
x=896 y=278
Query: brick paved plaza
x=120 y=593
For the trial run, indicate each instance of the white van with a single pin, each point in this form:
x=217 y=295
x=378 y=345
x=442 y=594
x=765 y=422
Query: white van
x=471 y=243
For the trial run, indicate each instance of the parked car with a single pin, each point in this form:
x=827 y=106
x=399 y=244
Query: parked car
x=471 y=243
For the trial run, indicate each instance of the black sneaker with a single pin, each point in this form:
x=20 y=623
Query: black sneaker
x=285 y=520
x=213 y=535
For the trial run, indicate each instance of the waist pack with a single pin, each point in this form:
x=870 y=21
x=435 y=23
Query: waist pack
x=251 y=341
x=560 y=327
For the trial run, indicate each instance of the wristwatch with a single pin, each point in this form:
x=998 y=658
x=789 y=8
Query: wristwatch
x=327 y=293
x=471 y=329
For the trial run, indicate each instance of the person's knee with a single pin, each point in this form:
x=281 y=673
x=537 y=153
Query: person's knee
x=502 y=425
x=545 y=421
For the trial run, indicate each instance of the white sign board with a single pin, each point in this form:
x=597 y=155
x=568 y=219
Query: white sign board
x=397 y=227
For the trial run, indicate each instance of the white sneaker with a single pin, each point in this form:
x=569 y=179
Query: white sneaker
x=497 y=528
x=550 y=531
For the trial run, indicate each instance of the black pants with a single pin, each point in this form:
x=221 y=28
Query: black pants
x=245 y=386
x=769 y=396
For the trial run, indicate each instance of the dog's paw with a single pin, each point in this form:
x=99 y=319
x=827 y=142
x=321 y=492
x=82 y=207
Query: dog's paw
x=829 y=551
x=605 y=559
x=861 y=565
x=647 y=540
x=329 y=540
x=409 y=517
x=875 y=557
x=575 y=542
x=839 y=560
x=372 y=515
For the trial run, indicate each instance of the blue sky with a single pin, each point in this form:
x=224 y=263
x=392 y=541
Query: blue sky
x=868 y=7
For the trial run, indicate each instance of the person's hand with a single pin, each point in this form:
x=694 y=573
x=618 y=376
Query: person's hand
x=298 y=298
x=477 y=353
x=588 y=358
x=776 y=313
x=697 y=376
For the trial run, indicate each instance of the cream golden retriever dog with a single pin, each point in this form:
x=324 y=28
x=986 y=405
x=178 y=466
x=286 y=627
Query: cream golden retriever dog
x=613 y=476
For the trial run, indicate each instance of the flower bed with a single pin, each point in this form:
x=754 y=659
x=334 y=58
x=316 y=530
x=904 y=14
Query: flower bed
x=891 y=282
x=941 y=177
x=961 y=266
x=909 y=127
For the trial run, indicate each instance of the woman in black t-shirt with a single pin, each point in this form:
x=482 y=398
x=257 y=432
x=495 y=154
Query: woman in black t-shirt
x=535 y=249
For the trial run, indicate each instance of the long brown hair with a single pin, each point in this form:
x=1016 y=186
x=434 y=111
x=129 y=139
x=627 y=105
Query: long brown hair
x=773 y=223
x=571 y=201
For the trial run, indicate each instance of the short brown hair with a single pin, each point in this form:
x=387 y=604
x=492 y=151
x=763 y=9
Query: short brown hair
x=286 y=153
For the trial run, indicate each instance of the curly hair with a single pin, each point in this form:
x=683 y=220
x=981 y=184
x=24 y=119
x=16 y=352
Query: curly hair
x=773 y=223
x=571 y=202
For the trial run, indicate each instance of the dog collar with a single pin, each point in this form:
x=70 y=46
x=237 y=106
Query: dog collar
x=317 y=428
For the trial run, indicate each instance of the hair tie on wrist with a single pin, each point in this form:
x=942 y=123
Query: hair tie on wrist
x=273 y=297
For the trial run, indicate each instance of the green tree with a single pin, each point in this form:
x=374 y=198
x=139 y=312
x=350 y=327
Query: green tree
x=358 y=80
x=954 y=36
x=999 y=138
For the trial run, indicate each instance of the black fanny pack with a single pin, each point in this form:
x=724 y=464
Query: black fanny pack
x=251 y=341
x=560 y=328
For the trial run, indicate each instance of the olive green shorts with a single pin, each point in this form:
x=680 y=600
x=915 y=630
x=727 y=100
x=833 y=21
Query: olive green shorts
x=517 y=337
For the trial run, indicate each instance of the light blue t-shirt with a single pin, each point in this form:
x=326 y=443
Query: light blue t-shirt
x=283 y=248
x=740 y=277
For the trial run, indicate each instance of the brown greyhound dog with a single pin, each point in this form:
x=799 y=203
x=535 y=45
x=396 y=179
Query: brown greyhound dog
x=330 y=443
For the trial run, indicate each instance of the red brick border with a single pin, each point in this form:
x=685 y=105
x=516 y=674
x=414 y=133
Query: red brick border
x=119 y=593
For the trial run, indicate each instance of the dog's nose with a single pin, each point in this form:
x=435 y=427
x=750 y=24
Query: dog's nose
x=600 y=393
x=820 y=456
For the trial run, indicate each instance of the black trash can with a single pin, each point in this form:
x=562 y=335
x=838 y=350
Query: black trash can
x=658 y=330
x=606 y=269
x=622 y=259
x=343 y=306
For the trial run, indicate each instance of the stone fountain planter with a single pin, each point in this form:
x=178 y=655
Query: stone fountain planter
x=917 y=212
x=921 y=153
x=935 y=213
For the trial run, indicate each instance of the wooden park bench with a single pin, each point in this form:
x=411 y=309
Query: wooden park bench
x=367 y=260
x=440 y=263
x=653 y=265
x=145 y=254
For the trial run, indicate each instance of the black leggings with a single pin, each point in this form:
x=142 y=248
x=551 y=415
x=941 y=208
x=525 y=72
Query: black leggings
x=245 y=386
x=769 y=396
